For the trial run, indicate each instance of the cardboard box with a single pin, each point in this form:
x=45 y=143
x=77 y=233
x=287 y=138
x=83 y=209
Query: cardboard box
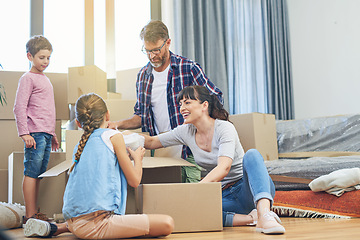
x=13 y=142
x=50 y=198
x=112 y=95
x=10 y=81
x=162 y=193
x=126 y=83
x=155 y=170
x=86 y=79
x=194 y=207
x=3 y=185
x=72 y=137
x=120 y=108
x=257 y=130
x=59 y=82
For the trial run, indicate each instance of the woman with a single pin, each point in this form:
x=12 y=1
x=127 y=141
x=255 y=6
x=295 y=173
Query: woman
x=215 y=145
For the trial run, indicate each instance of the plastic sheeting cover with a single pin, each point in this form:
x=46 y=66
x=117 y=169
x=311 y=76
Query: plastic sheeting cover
x=336 y=133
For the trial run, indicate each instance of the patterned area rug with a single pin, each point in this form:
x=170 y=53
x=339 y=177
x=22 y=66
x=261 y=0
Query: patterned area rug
x=316 y=204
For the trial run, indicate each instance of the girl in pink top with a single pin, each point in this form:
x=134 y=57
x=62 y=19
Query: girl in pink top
x=34 y=111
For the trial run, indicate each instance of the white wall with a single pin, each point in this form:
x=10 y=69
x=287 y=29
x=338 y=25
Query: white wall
x=325 y=49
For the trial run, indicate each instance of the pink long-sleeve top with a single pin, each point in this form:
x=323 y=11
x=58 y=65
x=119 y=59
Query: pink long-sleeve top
x=34 y=106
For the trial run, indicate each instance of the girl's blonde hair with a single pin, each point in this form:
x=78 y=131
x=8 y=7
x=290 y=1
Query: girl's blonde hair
x=90 y=110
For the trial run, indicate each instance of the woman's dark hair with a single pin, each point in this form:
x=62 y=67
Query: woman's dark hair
x=202 y=94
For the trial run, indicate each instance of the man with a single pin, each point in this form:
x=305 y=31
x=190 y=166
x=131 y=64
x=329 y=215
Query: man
x=157 y=86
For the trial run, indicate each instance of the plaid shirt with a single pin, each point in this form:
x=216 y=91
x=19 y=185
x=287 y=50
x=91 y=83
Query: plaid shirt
x=182 y=73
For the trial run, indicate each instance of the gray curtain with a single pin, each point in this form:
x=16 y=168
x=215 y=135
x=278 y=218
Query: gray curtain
x=279 y=77
x=243 y=47
x=200 y=36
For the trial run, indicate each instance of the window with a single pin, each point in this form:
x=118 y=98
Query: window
x=64 y=27
x=130 y=18
x=15 y=35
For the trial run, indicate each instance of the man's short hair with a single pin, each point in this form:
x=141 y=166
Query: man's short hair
x=154 y=31
x=37 y=43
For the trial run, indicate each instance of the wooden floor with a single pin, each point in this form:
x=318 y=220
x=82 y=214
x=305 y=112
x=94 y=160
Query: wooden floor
x=296 y=228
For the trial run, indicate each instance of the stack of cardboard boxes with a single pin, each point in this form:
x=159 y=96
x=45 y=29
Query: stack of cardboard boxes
x=161 y=190
x=10 y=141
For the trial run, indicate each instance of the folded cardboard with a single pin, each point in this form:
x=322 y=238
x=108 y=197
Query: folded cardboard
x=193 y=206
x=257 y=130
x=86 y=79
x=10 y=80
x=3 y=185
x=51 y=190
x=13 y=142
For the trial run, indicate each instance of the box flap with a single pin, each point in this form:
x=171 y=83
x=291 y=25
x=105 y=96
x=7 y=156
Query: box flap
x=156 y=162
x=148 y=162
x=58 y=169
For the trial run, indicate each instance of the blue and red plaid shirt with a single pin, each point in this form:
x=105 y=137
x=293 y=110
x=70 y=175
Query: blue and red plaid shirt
x=183 y=72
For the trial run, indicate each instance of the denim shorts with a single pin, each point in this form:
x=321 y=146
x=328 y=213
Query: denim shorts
x=36 y=160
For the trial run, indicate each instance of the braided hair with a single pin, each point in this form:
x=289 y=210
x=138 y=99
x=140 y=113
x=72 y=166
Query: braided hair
x=201 y=93
x=90 y=113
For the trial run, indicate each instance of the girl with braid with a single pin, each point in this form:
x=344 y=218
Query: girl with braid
x=96 y=192
x=247 y=189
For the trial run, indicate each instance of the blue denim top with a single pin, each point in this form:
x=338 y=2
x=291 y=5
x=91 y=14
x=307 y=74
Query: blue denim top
x=97 y=181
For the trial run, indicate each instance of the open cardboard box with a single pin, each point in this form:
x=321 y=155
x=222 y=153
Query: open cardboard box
x=162 y=174
x=155 y=170
x=151 y=163
x=161 y=192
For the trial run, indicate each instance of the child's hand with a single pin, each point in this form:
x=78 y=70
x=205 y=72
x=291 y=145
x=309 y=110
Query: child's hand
x=138 y=154
x=54 y=143
x=29 y=141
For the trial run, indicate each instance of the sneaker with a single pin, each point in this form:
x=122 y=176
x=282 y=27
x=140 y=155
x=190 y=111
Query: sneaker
x=254 y=216
x=38 y=215
x=272 y=225
x=37 y=228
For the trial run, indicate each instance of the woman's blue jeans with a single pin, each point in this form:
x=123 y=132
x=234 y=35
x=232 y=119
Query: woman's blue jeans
x=256 y=184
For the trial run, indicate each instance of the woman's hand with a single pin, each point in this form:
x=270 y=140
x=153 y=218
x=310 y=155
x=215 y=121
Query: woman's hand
x=220 y=171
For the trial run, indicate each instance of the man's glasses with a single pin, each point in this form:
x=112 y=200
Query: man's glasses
x=154 y=51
